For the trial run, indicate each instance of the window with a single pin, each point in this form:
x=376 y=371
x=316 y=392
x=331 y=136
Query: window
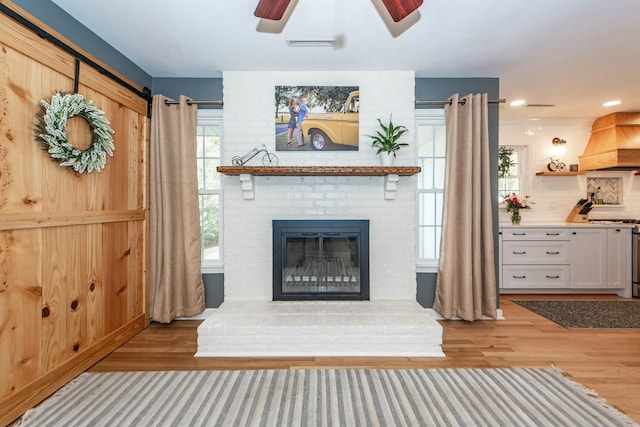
x=514 y=181
x=209 y=134
x=431 y=135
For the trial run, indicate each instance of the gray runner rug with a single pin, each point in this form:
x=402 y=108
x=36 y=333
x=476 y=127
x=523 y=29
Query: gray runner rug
x=588 y=314
x=326 y=397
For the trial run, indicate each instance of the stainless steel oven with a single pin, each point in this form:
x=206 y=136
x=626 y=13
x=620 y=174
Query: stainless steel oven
x=635 y=280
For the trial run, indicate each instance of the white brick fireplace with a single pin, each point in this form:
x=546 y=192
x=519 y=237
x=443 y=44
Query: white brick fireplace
x=248 y=123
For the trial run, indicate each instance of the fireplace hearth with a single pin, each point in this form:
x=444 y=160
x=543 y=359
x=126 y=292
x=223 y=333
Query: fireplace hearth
x=320 y=260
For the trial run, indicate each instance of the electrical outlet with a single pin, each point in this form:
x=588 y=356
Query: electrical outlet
x=552 y=205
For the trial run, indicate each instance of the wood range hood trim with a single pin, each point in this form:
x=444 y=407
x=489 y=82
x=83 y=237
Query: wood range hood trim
x=614 y=143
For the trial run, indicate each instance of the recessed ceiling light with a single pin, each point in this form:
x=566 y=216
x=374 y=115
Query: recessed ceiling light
x=312 y=43
x=517 y=102
x=612 y=103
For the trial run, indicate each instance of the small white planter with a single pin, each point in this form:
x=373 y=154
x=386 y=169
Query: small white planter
x=386 y=158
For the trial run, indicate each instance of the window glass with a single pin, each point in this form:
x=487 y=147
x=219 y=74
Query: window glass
x=513 y=182
x=209 y=135
x=431 y=135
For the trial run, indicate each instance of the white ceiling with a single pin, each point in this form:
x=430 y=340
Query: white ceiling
x=574 y=54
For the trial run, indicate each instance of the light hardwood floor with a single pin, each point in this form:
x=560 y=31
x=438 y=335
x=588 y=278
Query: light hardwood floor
x=607 y=361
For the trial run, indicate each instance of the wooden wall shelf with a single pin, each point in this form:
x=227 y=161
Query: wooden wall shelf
x=560 y=173
x=391 y=174
x=319 y=170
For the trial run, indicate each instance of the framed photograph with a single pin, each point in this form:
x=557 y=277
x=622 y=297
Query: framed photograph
x=318 y=118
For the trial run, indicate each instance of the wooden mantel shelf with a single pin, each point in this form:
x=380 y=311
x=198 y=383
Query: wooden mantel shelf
x=559 y=173
x=391 y=173
x=319 y=170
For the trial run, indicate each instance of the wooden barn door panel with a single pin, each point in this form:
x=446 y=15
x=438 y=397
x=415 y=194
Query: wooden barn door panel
x=72 y=246
x=116 y=254
x=96 y=318
x=20 y=308
x=59 y=258
x=29 y=44
x=94 y=81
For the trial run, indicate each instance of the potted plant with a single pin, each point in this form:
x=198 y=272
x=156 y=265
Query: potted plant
x=386 y=140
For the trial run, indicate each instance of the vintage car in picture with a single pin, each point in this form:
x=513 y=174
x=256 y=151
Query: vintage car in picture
x=325 y=129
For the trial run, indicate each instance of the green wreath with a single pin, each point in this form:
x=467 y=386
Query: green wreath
x=52 y=132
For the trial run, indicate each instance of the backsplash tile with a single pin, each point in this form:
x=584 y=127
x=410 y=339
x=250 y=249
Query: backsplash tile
x=610 y=189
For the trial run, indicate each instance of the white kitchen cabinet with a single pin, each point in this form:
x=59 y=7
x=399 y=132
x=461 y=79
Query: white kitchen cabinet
x=535 y=258
x=618 y=258
x=588 y=258
x=565 y=259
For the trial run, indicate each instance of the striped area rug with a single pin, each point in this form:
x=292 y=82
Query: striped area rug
x=326 y=397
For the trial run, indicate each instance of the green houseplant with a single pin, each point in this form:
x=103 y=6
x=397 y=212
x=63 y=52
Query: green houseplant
x=386 y=140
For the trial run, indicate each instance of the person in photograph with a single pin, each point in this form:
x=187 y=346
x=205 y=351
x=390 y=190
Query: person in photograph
x=302 y=114
x=293 y=112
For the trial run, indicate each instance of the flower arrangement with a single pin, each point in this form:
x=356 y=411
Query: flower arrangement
x=515 y=202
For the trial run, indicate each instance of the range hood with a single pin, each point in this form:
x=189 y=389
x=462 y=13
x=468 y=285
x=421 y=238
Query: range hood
x=614 y=143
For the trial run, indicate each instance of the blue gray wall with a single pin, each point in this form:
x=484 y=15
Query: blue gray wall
x=201 y=89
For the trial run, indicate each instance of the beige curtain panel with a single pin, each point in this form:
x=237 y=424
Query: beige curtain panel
x=466 y=283
x=175 y=276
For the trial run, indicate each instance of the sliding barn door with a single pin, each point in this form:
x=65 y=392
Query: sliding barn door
x=72 y=246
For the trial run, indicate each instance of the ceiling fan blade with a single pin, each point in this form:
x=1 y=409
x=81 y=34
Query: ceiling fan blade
x=399 y=9
x=271 y=9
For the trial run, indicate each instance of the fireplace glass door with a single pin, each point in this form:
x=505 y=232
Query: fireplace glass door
x=320 y=264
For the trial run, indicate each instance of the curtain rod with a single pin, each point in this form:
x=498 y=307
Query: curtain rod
x=191 y=102
x=448 y=101
x=145 y=93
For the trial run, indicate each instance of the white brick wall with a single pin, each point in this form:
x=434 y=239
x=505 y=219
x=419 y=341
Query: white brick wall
x=248 y=123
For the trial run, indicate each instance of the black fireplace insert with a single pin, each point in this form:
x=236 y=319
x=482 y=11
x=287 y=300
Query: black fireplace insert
x=320 y=260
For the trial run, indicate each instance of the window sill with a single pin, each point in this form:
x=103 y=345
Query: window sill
x=430 y=266
x=212 y=267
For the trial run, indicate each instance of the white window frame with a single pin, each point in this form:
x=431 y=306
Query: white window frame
x=214 y=117
x=523 y=176
x=425 y=117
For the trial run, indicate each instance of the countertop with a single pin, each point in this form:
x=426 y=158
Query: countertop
x=562 y=224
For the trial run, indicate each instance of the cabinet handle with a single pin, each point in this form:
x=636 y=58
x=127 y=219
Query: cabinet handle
x=519 y=234
x=552 y=277
x=519 y=253
x=553 y=234
x=553 y=253
x=617 y=230
x=574 y=233
x=519 y=277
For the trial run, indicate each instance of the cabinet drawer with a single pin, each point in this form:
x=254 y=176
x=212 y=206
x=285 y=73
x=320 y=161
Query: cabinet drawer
x=535 y=233
x=533 y=252
x=535 y=276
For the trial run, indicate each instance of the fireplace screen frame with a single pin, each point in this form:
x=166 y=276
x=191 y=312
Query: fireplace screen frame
x=292 y=229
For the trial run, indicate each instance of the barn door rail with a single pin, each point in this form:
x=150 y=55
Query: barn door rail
x=145 y=93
